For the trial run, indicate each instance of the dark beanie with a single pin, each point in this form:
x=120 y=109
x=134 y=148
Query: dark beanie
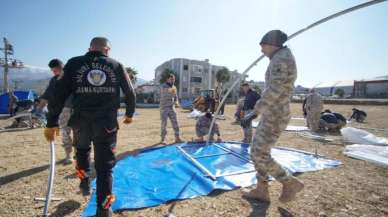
x=275 y=38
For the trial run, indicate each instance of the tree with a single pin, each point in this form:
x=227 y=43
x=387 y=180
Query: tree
x=257 y=88
x=223 y=75
x=166 y=74
x=132 y=74
x=339 y=92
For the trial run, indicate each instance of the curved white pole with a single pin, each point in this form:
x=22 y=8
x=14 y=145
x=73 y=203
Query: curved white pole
x=363 y=5
x=50 y=180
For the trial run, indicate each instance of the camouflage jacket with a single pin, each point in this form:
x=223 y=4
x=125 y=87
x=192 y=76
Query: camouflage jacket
x=279 y=82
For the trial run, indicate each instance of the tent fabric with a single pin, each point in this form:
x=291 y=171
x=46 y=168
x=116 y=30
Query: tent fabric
x=159 y=175
x=372 y=153
x=22 y=95
x=358 y=136
x=289 y=127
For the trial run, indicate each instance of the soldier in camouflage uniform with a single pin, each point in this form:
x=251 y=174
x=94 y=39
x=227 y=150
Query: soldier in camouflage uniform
x=203 y=125
x=66 y=130
x=313 y=110
x=168 y=99
x=274 y=107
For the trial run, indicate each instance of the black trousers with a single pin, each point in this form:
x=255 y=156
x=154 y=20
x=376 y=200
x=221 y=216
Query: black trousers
x=101 y=131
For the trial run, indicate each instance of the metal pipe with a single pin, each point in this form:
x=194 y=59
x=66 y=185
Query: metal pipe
x=50 y=179
x=363 y=5
x=196 y=163
x=234 y=153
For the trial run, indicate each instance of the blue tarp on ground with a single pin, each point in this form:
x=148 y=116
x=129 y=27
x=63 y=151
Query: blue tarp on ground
x=160 y=175
x=186 y=103
x=22 y=95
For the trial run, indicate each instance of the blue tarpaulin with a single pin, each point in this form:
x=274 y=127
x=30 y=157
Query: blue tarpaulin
x=186 y=103
x=21 y=95
x=160 y=175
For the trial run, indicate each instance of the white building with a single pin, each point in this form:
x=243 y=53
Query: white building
x=196 y=75
x=329 y=88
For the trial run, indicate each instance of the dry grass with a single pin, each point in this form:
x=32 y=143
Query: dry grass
x=356 y=188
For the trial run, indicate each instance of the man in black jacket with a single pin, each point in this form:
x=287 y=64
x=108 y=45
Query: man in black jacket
x=49 y=99
x=95 y=81
x=251 y=97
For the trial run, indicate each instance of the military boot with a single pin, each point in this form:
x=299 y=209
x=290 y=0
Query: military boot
x=259 y=193
x=84 y=186
x=178 y=139
x=291 y=186
x=68 y=159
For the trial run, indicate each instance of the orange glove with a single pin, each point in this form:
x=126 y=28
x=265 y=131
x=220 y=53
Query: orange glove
x=172 y=90
x=242 y=114
x=127 y=120
x=50 y=133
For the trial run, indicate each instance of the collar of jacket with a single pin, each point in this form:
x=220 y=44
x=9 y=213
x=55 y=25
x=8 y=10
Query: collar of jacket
x=277 y=51
x=95 y=53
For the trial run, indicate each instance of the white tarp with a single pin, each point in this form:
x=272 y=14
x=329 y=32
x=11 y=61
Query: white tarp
x=358 y=136
x=372 y=153
x=289 y=127
x=195 y=114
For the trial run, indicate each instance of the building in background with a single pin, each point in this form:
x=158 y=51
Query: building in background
x=329 y=88
x=196 y=75
x=147 y=93
x=371 y=88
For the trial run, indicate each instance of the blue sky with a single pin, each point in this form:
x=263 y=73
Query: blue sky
x=146 y=33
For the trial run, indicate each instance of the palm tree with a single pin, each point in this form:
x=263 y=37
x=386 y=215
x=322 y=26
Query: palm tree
x=132 y=74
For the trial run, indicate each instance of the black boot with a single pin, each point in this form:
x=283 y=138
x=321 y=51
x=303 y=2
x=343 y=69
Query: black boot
x=84 y=186
x=101 y=212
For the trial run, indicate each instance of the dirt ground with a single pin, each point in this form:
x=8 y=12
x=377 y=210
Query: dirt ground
x=356 y=188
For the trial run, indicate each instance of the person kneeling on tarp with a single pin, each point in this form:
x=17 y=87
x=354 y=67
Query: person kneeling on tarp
x=202 y=128
x=358 y=115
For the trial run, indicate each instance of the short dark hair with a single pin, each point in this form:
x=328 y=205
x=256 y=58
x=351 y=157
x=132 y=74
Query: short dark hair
x=55 y=63
x=171 y=75
x=99 y=42
x=327 y=111
x=245 y=84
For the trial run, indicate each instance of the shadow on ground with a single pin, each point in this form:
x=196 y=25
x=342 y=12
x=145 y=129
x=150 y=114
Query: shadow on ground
x=65 y=208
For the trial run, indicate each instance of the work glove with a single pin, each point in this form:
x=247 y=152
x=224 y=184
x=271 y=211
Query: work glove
x=172 y=90
x=242 y=113
x=127 y=120
x=50 y=133
x=248 y=119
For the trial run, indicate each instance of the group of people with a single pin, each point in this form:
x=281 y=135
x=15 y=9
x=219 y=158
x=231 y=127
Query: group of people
x=84 y=96
x=318 y=120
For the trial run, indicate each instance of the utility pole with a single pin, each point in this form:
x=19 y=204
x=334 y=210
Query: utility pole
x=6 y=48
x=8 y=63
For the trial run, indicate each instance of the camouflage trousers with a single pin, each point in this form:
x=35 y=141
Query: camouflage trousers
x=312 y=119
x=202 y=127
x=67 y=141
x=248 y=131
x=267 y=133
x=168 y=113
